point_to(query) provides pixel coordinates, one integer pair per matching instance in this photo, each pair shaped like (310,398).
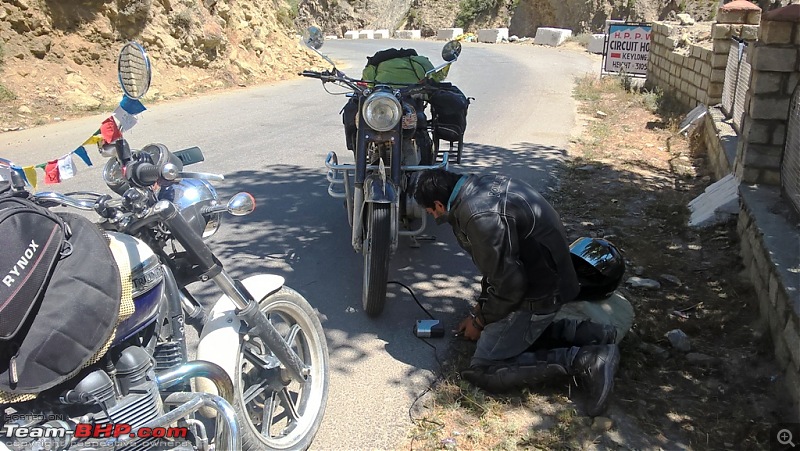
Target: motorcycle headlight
(382,111)
(190,196)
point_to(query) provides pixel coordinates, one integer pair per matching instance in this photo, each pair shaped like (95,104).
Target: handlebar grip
(145,174)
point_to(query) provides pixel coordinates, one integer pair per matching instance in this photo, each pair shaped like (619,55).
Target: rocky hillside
(522,17)
(58,57)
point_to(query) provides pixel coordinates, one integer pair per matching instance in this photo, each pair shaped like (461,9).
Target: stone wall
(770,250)
(767,226)
(695,73)
(682,72)
(720,140)
(774,77)
(771,254)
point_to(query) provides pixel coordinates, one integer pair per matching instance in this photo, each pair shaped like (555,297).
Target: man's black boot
(597,365)
(500,379)
(589,333)
(572,332)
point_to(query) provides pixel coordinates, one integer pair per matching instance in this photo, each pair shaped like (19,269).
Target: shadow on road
(302,234)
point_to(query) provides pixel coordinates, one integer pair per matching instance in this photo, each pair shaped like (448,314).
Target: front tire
(274,411)
(376,259)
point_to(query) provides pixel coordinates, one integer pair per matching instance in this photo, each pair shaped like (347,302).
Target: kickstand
(416,239)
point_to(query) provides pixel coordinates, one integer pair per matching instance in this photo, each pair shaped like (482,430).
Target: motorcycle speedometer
(190,196)
(382,111)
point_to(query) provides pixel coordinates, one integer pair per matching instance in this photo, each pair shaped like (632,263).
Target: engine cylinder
(132,367)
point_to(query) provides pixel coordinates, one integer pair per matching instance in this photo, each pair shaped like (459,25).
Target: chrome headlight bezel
(190,196)
(382,111)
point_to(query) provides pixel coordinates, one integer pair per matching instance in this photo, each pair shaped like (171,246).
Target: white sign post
(627,49)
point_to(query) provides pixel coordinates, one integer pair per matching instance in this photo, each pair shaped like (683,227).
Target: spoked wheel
(274,411)
(376,258)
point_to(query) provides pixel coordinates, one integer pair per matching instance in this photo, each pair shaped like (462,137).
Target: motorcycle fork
(247,308)
(360,199)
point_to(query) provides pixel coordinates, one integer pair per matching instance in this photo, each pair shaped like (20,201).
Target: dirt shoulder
(629,179)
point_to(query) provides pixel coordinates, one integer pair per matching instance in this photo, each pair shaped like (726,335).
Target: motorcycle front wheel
(274,411)
(376,258)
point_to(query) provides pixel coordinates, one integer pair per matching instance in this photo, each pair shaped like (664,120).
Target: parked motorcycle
(389,146)
(262,359)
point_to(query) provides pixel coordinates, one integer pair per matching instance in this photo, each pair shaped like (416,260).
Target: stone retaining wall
(772,265)
(683,72)
(770,250)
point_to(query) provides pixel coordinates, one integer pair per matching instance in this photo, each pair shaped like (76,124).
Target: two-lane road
(272,140)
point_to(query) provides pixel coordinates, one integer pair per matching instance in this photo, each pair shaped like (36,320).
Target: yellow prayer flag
(30,173)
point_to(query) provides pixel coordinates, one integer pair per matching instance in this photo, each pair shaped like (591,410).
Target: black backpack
(449,107)
(59,294)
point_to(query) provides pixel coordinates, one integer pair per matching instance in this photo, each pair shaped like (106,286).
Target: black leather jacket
(517,241)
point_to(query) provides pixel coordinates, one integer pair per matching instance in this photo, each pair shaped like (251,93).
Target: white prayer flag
(66,167)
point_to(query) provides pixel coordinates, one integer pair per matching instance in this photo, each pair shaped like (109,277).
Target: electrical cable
(437,374)
(413,296)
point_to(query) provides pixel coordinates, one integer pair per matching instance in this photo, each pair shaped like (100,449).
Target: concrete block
(725,16)
(793,343)
(408,34)
(762,156)
(366,34)
(749,32)
(447,34)
(720,31)
(766,82)
(351,34)
(769,108)
(493,35)
(718,203)
(719,60)
(757,131)
(597,43)
(775,32)
(551,36)
(753,18)
(382,34)
(773,59)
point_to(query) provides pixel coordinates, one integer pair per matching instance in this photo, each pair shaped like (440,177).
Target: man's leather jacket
(517,241)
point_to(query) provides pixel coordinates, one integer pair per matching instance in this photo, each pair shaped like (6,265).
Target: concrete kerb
(448,34)
(408,34)
(551,36)
(493,35)
(597,43)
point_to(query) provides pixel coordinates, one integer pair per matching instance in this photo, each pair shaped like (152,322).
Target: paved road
(271,141)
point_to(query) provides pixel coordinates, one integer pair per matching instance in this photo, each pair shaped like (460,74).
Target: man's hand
(471,328)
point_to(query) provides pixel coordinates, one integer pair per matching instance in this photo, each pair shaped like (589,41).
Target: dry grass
(629,179)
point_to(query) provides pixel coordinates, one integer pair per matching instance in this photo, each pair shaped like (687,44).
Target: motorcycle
(262,360)
(388,150)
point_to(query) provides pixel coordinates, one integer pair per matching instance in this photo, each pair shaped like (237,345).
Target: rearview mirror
(134,71)
(451,51)
(241,204)
(313,38)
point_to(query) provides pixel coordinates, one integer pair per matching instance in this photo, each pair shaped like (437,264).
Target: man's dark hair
(433,185)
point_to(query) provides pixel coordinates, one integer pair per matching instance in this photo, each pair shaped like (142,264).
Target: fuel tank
(147,278)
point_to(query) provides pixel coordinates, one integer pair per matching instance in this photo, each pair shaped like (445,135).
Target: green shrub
(470,9)
(6,95)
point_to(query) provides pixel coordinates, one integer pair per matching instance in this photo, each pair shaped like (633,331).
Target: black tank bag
(59,294)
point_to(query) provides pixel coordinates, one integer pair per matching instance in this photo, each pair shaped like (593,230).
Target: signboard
(627,48)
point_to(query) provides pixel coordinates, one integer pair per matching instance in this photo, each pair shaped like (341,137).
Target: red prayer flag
(51,174)
(109,130)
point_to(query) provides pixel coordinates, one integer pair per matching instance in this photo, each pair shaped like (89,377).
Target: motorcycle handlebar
(143,173)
